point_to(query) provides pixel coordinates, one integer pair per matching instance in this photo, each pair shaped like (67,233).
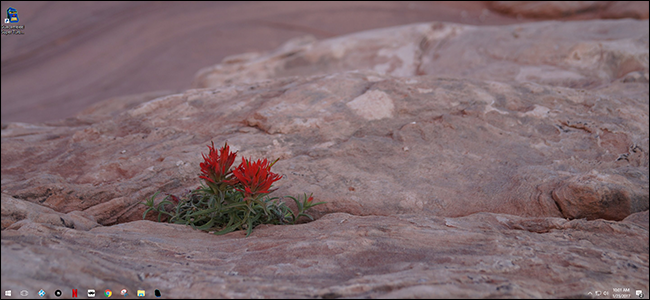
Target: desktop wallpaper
(200,150)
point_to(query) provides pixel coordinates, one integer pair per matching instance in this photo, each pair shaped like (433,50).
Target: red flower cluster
(252,178)
(216,168)
(256,178)
(231,198)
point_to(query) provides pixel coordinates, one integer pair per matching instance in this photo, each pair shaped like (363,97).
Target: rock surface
(49,73)
(111,49)
(561,9)
(456,161)
(484,255)
(577,55)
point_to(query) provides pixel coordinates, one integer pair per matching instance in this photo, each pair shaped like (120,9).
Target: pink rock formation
(483,255)
(111,49)
(563,9)
(577,55)
(456,161)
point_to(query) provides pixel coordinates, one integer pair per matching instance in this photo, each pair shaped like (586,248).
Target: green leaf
(250,224)
(297,202)
(146,212)
(229,228)
(164,202)
(249,228)
(273,163)
(235,205)
(153,197)
(308,206)
(306,215)
(212,201)
(202,212)
(206,225)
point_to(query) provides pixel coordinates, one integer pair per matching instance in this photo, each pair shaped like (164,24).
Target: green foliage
(230,200)
(228,211)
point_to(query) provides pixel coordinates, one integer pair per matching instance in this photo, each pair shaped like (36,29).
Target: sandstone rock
(627,9)
(547,9)
(340,255)
(563,9)
(570,54)
(430,145)
(469,181)
(17,213)
(49,74)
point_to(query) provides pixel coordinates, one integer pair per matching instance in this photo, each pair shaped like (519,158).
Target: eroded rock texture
(561,9)
(483,255)
(456,161)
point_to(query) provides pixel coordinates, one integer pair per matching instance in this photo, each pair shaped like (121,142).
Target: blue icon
(12,15)
(41,293)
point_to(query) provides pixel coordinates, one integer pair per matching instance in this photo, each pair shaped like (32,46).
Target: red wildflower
(256,178)
(216,166)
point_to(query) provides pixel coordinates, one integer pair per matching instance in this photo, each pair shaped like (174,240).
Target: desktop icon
(124,293)
(57,293)
(74,293)
(639,293)
(108,293)
(140,293)
(24,293)
(91,293)
(12,15)
(8,293)
(41,293)
(157,293)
